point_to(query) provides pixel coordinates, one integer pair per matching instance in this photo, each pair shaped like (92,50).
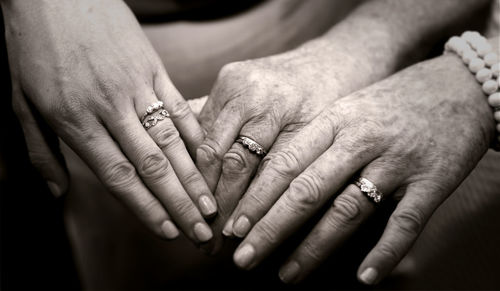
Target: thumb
(43,146)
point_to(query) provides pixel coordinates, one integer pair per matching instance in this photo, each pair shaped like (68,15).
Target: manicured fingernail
(207,206)
(242,226)
(202,232)
(169,229)
(244,256)
(228,228)
(54,189)
(369,276)
(289,272)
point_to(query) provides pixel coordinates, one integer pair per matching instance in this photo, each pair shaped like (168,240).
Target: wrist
(453,74)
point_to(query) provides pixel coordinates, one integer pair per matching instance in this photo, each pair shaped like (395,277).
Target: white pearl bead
(469,56)
(483,75)
(475,65)
(490,87)
(495,69)
(462,48)
(490,59)
(476,42)
(453,43)
(494,100)
(470,35)
(497,115)
(483,49)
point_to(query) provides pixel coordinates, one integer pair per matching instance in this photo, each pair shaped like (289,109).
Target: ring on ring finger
(154,113)
(252,145)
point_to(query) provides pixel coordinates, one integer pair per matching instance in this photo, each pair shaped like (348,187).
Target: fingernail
(368,276)
(169,229)
(242,226)
(289,272)
(207,206)
(54,189)
(202,232)
(228,228)
(244,256)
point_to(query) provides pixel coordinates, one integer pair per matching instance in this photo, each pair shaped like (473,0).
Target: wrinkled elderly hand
(87,68)
(269,100)
(415,135)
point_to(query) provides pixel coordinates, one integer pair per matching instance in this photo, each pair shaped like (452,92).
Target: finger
(239,164)
(349,210)
(218,141)
(157,172)
(305,195)
(42,156)
(180,112)
(119,176)
(277,170)
(403,228)
(167,139)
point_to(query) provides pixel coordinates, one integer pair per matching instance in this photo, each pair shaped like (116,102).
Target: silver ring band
(369,189)
(154,113)
(251,145)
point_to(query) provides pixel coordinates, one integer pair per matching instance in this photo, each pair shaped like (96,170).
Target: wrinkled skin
(89,71)
(269,100)
(415,135)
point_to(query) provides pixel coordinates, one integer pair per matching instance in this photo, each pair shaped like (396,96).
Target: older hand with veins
(270,99)
(415,135)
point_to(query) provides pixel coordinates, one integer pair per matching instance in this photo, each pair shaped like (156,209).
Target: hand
(87,68)
(268,100)
(415,135)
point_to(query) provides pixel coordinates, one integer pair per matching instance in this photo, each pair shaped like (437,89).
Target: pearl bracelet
(476,52)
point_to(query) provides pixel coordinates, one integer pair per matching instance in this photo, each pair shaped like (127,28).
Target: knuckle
(119,175)
(267,231)
(253,202)
(311,251)
(39,159)
(283,163)
(180,109)
(347,210)
(153,166)
(234,163)
(304,191)
(167,137)
(183,206)
(149,208)
(209,152)
(388,251)
(192,178)
(409,220)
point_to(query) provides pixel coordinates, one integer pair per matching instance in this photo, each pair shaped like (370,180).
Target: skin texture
(270,99)
(90,86)
(416,135)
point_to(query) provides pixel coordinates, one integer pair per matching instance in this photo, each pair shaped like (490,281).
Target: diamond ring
(369,189)
(154,113)
(251,145)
